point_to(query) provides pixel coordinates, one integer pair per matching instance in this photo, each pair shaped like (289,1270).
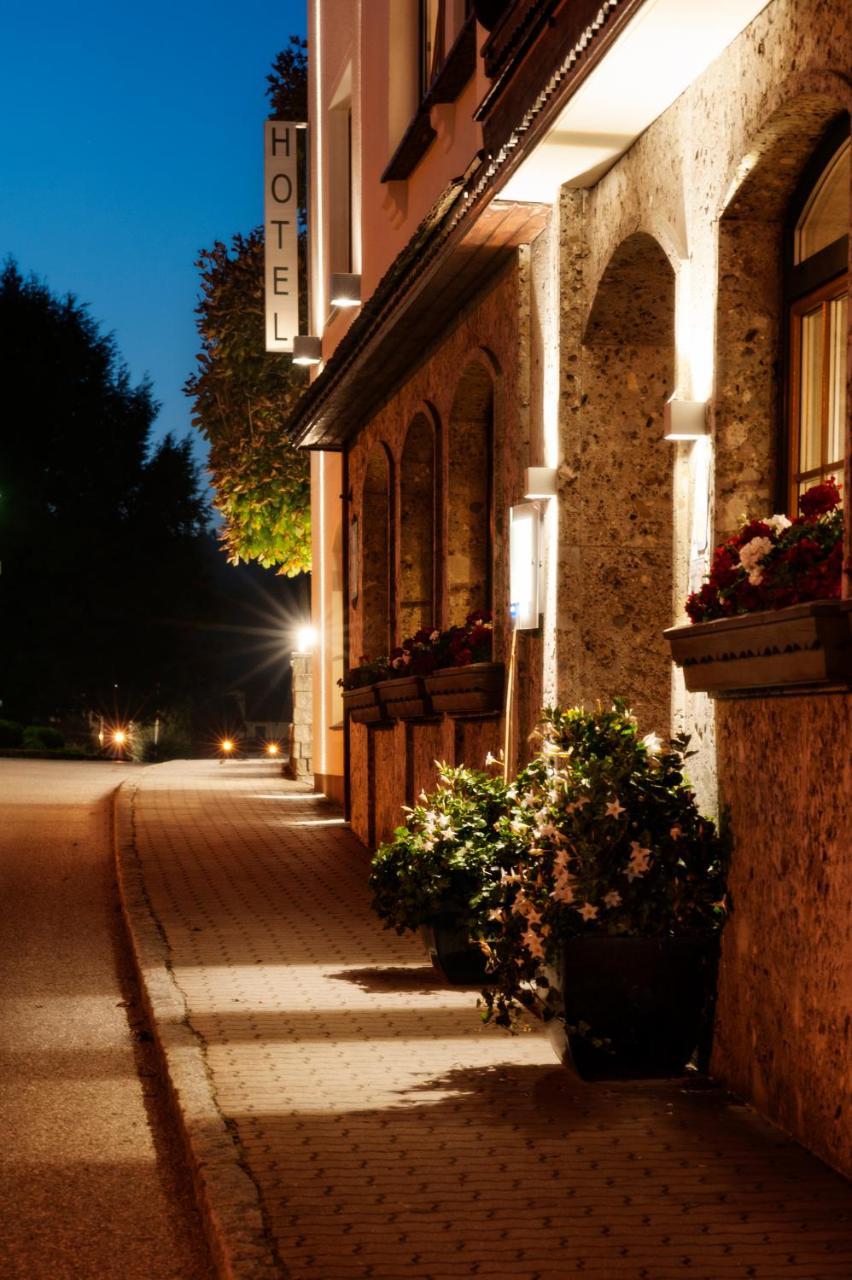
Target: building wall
(389,767)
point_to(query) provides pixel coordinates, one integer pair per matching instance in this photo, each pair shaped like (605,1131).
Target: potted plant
(770,614)
(437,873)
(360,696)
(403,694)
(465,681)
(608,922)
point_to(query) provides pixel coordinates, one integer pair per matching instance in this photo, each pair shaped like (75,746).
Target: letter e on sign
(281,234)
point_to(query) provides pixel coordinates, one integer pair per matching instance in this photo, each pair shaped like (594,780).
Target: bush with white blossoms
(449,855)
(610,841)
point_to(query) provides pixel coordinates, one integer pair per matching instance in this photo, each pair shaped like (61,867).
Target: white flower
(435,635)
(517,826)
(588,912)
(639,861)
(612,899)
(444,822)
(495,913)
(652,743)
(492,759)
(754,552)
(534,944)
(614,808)
(778,523)
(563,890)
(549,832)
(676,832)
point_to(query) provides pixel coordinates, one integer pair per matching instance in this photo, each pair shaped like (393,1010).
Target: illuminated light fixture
(524,535)
(540,482)
(306,639)
(685,419)
(272,748)
(226,746)
(345,289)
(119,737)
(307,350)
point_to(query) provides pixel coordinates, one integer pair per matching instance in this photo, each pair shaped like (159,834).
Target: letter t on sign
(281,240)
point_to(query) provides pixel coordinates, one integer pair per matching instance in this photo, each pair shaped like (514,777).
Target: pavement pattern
(93,1183)
(353,1120)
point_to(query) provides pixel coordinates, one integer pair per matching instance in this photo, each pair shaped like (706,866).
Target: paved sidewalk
(349,1116)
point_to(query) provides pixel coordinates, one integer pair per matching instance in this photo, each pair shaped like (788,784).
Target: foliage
(42,737)
(11,733)
(609,841)
(174,741)
(242,394)
(99,530)
(369,671)
(427,651)
(777,562)
(447,857)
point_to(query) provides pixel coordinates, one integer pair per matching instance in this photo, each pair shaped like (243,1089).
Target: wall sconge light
(540,482)
(684,419)
(306,640)
(345,289)
(524,538)
(307,350)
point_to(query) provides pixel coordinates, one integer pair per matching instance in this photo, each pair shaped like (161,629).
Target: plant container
(793,649)
(630,1008)
(362,705)
(404,699)
(476,689)
(453,955)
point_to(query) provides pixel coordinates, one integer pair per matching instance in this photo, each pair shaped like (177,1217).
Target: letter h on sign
(281,238)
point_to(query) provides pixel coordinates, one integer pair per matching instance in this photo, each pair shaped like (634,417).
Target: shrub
(610,841)
(11,733)
(447,857)
(43,737)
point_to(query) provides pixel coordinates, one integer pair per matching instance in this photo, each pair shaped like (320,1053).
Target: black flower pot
(454,956)
(631,1008)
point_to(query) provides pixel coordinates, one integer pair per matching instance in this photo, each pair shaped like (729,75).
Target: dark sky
(130,137)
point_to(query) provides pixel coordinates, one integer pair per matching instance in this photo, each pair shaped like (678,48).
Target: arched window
(417,528)
(374,596)
(818,301)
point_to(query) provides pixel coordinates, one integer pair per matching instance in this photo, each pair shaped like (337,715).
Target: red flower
(819,499)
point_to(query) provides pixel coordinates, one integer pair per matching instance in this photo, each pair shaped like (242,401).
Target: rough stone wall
(301,764)
(784,1020)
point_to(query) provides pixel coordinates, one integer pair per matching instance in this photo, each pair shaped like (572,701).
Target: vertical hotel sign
(281,234)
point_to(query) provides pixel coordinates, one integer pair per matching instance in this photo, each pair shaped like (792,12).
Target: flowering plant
(447,857)
(777,562)
(369,671)
(608,840)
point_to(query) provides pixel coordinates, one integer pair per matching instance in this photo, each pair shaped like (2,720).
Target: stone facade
(301,763)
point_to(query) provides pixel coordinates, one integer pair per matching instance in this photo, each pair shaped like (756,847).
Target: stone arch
(625,483)
(376,553)
(417,551)
(469,537)
(749,402)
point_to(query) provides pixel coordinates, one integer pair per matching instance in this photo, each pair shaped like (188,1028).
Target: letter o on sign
(282,178)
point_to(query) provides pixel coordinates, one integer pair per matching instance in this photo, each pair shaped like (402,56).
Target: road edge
(227,1197)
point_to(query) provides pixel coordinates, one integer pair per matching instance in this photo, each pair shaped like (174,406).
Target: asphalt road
(92,1178)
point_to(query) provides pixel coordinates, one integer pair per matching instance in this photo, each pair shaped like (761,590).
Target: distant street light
(306,639)
(272,748)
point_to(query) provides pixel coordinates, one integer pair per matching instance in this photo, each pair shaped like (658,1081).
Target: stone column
(301,738)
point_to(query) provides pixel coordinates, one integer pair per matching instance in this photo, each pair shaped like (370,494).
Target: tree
(99,532)
(243,395)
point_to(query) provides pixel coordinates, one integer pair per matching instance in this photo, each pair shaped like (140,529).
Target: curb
(227,1196)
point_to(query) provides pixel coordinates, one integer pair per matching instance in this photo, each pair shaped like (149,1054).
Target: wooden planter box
(473,690)
(362,705)
(804,646)
(404,699)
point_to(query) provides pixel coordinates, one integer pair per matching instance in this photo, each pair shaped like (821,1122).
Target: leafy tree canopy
(99,532)
(243,395)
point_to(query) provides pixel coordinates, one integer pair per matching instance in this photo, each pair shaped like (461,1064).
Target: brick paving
(385,1132)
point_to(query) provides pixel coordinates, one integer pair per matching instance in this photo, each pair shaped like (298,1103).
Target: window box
(404,699)
(362,705)
(476,689)
(806,646)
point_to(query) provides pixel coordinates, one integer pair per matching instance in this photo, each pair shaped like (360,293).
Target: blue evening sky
(130,137)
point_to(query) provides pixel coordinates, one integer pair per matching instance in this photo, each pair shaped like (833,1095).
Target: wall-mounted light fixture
(345,289)
(540,482)
(307,350)
(524,552)
(684,419)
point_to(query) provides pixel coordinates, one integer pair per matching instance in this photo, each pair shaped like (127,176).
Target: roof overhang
(569,97)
